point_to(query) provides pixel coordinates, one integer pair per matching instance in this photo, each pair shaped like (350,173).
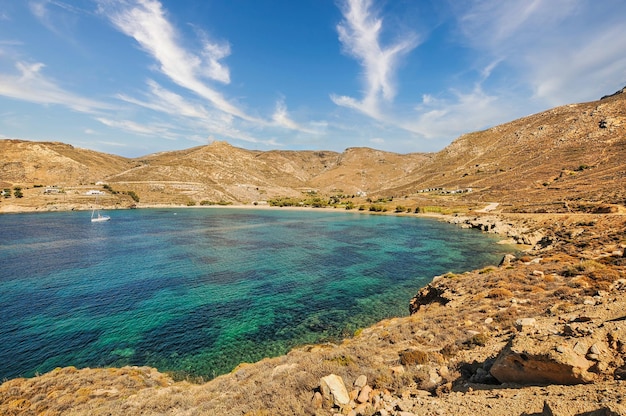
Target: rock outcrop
(523,361)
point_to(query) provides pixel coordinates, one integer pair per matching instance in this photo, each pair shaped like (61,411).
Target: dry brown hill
(567,158)
(26,163)
(567,155)
(216,173)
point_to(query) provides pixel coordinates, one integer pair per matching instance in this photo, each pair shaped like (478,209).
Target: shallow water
(198,291)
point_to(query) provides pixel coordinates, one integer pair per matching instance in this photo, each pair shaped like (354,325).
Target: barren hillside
(570,158)
(575,153)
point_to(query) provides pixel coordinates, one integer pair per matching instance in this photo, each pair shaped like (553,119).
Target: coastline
(560,242)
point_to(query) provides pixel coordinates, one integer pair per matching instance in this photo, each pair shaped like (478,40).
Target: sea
(196,291)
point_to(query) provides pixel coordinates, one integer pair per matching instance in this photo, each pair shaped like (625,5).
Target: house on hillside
(94,192)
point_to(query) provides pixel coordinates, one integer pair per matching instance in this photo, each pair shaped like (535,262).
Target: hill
(559,159)
(569,158)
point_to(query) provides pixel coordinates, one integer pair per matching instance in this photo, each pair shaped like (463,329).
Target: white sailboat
(96,215)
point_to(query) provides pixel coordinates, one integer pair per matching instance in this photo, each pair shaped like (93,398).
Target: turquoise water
(198,291)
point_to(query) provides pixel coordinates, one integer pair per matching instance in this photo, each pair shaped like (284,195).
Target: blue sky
(133,77)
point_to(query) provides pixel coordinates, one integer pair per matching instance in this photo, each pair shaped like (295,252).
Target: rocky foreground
(542,333)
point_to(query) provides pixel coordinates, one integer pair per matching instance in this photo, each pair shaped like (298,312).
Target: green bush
(133,195)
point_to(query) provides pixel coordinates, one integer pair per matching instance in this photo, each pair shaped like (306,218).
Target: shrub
(500,293)
(478,340)
(412,357)
(133,195)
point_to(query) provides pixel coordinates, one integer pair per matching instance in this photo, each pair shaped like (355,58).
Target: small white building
(94,192)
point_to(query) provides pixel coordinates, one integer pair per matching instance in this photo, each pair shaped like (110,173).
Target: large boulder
(334,390)
(525,360)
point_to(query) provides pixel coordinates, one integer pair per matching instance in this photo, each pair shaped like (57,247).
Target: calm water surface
(198,291)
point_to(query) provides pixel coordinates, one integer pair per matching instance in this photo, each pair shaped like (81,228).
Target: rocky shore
(541,333)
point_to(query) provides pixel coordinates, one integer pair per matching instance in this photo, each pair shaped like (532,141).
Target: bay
(195,292)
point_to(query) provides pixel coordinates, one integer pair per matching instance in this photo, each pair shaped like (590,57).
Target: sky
(135,77)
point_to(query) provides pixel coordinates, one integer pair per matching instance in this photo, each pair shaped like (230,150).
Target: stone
(595,349)
(506,260)
(525,360)
(488,321)
(363,408)
(397,369)
(317,400)
(353,394)
(334,390)
(522,323)
(434,377)
(580,348)
(364,395)
(360,381)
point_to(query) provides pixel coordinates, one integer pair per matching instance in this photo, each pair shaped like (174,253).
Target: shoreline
(449,311)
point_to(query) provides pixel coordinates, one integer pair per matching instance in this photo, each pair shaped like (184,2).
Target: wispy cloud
(281,118)
(146,22)
(460,112)
(31,85)
(192,117)
(551,44)
(360,35)
(165,101)
(56,16)
(156,130)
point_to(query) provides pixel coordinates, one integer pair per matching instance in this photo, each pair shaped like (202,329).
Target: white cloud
(360,33)
(563,51)
(56,16)
(282,119)
(281,116)
(31,85)
(160,99)
(191,116)
(134,127)
(146,22)
(462,112)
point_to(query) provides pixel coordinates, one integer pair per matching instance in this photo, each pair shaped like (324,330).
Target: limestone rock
(524,360)
(334,390)
(525,323)
(317,400)
(506,260)
(360,381)
(364,395)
